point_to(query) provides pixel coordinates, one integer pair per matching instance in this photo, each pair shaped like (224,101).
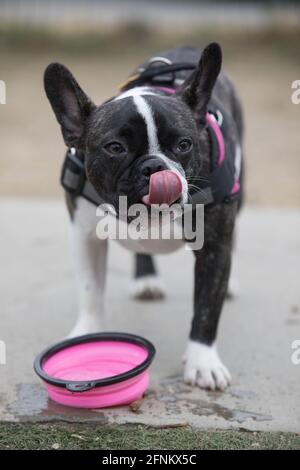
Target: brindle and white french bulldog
(123,142)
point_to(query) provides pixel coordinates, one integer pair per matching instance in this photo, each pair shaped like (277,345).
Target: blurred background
(102,41)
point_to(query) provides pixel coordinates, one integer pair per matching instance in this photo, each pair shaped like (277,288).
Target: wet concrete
(38,307)
(160,407)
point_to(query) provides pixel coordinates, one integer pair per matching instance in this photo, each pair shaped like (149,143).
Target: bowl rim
(84,385)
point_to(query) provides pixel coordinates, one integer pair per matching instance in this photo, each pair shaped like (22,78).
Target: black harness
(222,178)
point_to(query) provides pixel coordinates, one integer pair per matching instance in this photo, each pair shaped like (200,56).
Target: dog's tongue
(164,188)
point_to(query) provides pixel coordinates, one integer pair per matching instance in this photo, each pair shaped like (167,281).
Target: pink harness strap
(236,187)
(219,136)
(220,139)
(172,91)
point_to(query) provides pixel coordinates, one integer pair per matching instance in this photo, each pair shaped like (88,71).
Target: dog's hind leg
(146,285)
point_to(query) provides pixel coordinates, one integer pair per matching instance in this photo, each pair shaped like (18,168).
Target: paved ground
(257,328)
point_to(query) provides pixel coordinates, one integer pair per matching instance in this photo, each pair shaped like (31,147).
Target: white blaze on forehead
(144,109)
(146,112)
(138,91)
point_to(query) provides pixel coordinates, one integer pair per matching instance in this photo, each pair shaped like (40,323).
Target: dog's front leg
(203,366)
(90,256)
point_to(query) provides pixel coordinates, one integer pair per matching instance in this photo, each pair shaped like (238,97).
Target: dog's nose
(152,165)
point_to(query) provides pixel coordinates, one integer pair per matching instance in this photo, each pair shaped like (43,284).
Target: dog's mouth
(165,187)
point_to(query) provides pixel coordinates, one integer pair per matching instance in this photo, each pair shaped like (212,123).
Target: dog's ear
(197,89)
(69,102)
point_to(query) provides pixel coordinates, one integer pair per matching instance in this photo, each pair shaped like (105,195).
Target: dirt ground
(262,66)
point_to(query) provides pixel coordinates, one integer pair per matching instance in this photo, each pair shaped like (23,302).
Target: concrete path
(257,329)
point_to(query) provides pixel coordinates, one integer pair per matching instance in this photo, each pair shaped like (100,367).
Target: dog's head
(130,139)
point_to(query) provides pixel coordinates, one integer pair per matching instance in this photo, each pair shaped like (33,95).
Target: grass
(90,436)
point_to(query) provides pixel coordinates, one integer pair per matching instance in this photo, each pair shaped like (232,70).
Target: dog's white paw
(86,325)
(204,368)
(147,288)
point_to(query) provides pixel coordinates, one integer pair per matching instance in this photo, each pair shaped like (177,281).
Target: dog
(176,127)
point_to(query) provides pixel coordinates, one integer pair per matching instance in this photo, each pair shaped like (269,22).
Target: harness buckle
(72,181)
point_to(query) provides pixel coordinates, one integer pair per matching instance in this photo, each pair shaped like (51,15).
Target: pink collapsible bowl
(96,370)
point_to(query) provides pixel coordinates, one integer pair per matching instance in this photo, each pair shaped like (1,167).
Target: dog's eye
(115,148)
(184,145)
